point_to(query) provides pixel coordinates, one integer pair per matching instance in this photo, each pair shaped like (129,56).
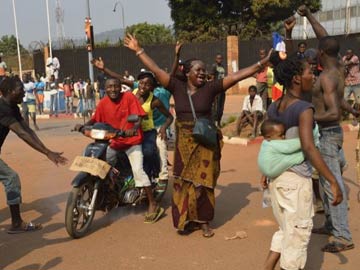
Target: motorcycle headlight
(98,134)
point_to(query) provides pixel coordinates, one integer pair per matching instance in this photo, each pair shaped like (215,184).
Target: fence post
(232,47)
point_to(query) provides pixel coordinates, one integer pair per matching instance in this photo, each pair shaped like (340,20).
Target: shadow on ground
(232,199)
(14,247)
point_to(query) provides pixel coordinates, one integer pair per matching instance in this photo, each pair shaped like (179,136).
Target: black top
(290,117)
(101,79)
(9,114)
(202,98)
(218,70)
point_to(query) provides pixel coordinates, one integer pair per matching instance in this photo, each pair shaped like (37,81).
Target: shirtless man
(328,100)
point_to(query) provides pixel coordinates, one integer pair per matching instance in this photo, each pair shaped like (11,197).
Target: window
(337,15)
(343,13)
(322,16)
(329,15)
(353,11)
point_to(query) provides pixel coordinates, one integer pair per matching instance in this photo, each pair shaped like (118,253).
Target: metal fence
(249,50)
(119,59)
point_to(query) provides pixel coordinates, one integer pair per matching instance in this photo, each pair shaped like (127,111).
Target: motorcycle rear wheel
(77,218)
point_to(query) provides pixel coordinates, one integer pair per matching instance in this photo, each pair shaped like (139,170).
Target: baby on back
(278,151)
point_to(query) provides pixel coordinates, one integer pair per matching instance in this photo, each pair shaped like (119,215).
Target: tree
(213,19)
(149,34)
(8,45)
(103,44)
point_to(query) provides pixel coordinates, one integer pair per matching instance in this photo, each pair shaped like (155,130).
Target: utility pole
(48,25)
(90,54)
(17,39)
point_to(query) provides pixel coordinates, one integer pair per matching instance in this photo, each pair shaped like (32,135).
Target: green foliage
(149,34)
(103,44)
(8,45)
(213,19)
(231,119)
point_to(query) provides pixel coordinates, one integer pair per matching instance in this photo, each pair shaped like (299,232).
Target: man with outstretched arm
(12,90)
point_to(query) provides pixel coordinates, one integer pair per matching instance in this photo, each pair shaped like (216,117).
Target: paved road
(120,239)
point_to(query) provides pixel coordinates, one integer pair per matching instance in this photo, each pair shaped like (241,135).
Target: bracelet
(140,52)
(259,64)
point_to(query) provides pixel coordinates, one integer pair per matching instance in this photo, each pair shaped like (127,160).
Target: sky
(32,20)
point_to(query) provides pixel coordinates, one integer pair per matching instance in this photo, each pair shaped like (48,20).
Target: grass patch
(229,120)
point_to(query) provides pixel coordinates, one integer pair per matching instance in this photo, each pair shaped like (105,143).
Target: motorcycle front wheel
(78,218)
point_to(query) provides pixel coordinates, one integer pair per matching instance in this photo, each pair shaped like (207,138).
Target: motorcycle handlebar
(119,132)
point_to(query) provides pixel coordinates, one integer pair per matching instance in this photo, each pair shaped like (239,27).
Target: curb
(59,116)
(257,140)
(242,141)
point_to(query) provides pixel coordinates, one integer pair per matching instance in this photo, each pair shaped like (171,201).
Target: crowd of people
(300,98)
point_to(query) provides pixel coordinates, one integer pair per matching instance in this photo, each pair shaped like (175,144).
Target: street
(121,240)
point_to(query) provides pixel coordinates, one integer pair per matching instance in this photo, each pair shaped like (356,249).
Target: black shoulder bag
(204,132)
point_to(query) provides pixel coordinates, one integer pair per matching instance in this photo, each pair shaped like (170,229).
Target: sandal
(336,246)
(151,218)
(207,231)
(25,227)
(321,230)
(190,227)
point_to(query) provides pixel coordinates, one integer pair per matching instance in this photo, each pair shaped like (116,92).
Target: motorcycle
(98,185)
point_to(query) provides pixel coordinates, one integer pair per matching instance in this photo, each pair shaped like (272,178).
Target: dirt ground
(120,239)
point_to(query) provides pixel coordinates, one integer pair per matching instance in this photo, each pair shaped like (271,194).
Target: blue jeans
(11,181)
(151,156)
(336,222)
(54,104)
(352,89)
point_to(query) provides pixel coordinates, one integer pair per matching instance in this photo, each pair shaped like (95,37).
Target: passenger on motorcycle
(159,121)
(114,110)
(149,103)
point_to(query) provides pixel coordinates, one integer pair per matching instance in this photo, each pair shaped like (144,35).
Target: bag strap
(191,105)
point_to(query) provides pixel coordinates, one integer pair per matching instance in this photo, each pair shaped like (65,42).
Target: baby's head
(273,130)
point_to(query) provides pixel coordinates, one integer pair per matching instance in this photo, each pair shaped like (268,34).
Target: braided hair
(285,70)
(188,64)
(150,75)
(8,84)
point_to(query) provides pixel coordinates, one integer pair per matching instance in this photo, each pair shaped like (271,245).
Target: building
(339,17)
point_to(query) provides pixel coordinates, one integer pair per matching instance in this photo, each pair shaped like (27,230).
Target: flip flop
(25,227)
(335,246)
(190,227)
(151,218)
(207,231)
(321,230)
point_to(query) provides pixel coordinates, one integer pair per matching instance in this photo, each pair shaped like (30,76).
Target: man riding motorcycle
(114,110)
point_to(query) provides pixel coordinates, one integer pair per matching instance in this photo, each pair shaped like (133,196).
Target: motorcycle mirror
(133,118)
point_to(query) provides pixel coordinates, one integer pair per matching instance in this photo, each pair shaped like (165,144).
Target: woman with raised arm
(196,167)
(291,192)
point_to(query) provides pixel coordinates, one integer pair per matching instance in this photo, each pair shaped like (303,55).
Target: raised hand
(289,23)
(178,47)
(303,10)
(98,63)
(132,43)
